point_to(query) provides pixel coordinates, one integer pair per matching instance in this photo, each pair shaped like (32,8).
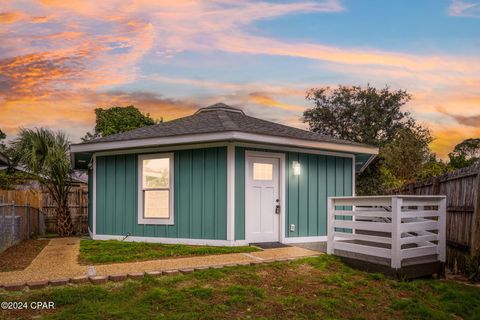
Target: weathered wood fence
(462,188)
(77,203)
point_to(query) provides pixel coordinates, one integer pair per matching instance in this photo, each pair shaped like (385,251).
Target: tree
(407,152)
(44,153)
(433,167)
(364,115)
(117,119)
(3,136)
(465,153)
(372,116)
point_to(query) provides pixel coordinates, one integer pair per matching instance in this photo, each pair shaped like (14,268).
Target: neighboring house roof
(5,163)
(220,122)
(4,160)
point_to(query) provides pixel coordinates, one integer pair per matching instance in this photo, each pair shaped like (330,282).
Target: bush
(473,269)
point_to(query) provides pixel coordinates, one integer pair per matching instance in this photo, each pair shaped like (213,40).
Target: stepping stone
(58,282)
(98,279)
(155,273)
(231,265)
(186,270)
(37,284)
(170,272)
(281,259)
(243,263)
(117,277)
(91,272)
(218,266)
(200,268)
(14,286)
(254,263)
(81,279)
(136,275)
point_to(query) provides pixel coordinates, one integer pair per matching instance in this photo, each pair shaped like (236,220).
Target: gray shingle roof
(219,118)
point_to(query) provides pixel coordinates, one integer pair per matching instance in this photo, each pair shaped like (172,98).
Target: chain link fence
(19,222)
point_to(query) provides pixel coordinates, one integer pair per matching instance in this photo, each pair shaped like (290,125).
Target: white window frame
(140,198)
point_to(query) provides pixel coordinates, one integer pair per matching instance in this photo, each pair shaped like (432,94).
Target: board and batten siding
(200,196)
(321,177)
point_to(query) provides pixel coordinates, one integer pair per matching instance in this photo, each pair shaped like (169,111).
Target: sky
(59,60)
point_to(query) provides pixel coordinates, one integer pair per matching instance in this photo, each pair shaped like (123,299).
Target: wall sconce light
(296,168)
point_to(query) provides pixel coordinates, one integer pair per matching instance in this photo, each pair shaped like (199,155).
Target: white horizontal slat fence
(389,227)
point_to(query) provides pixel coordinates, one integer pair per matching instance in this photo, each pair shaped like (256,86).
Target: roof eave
(222,136)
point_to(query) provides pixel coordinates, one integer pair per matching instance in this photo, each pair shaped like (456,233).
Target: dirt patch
(19,256)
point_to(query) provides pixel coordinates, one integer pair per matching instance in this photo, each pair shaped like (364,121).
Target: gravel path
(58,260)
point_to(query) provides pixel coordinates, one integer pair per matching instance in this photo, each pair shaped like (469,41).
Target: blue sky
(60,60)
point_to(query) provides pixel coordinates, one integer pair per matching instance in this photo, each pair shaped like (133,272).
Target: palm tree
(44,153)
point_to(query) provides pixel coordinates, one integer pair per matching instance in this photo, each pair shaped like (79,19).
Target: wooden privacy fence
(462,188)
(77,204)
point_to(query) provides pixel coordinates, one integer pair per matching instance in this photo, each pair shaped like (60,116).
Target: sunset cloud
(472,121)
(265,99)
(61,59)
(460,8)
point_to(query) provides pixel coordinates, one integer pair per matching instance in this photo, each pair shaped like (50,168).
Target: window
(155,197)
(262,171)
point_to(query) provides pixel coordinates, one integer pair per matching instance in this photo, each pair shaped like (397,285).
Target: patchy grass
(19,256)
(312,288)
(97,252)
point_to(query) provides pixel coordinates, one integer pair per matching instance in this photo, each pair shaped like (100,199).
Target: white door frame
(281,182)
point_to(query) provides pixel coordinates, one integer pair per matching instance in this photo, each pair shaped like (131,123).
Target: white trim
(231,135)
(140,212)
(94,193)
(281,182)
(373,156)
(200,242)
(279,148)
(231,192)
(90,233)
(163,149)
(305,239)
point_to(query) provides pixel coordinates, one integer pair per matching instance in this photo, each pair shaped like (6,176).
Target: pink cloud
(460,8)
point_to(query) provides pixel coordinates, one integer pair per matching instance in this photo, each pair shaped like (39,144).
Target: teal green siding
(306,195)
(200,196)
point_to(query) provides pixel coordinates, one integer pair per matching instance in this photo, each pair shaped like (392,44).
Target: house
(4,161)
(217,177)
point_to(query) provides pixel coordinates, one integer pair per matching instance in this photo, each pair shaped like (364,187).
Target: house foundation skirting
(205,242)
(200,242)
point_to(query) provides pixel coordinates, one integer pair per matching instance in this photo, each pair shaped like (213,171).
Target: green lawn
(311,288)
(95,252)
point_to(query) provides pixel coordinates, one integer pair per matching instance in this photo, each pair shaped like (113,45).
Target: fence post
(12,211)
(3,234)
(330,226)
(442,229)
(475,241)
(396,260)
(436,186)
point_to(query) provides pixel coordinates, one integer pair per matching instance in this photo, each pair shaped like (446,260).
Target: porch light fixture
(296,168)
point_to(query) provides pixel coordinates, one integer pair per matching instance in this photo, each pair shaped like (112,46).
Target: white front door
(262,216)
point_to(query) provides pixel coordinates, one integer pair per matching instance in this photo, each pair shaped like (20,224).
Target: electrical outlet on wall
(292,227)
